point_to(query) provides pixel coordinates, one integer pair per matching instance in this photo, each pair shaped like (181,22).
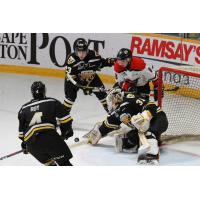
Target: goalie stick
(10,155)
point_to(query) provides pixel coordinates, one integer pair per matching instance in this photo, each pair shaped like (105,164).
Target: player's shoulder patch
(130,96)
(70,60)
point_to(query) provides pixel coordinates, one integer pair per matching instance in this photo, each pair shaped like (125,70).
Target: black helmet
(124,53)
(80,44)
(38,90)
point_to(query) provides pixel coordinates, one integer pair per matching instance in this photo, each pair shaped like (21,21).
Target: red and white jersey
(137,73)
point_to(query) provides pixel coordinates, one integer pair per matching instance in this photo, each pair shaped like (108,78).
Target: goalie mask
(114,99)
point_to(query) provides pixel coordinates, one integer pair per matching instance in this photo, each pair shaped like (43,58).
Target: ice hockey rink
(15,91)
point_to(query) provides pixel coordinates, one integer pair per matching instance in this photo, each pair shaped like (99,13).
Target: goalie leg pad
(151,138)
(119,143)
(151,157)
(123,144)
(95,135)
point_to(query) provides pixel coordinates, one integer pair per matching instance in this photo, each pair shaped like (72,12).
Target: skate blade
(148,163)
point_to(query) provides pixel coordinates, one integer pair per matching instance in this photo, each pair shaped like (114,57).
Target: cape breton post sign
(26,47)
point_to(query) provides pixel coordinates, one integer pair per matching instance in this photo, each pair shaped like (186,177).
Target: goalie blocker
(141,116)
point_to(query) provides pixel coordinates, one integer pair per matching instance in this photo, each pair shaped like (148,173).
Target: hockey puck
(76,139)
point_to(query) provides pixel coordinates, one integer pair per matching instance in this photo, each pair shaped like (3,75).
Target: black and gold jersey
(39,115)
(132,105)
(90,64)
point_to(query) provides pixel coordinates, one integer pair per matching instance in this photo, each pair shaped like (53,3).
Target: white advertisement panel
(50,50)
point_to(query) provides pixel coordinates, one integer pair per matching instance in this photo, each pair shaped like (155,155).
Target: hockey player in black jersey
(82,66)
(37,128)
(138,115)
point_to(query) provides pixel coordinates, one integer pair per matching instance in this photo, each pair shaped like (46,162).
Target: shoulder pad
(118,68)
(137,64)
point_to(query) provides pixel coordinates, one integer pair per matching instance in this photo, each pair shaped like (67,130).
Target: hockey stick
(97,89)
(10,155)
(94,89)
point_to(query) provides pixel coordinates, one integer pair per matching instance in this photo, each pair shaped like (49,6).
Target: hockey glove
(68,133)
(128,85)
(24,147)
(142,121)
(125,118)
(110,61)
(125,86)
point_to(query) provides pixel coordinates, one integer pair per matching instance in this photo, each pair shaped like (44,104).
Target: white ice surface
(15,91)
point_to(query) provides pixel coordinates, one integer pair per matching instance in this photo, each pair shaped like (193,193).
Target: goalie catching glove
(142,121)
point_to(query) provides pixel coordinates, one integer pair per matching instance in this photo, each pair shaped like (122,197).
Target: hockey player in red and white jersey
(132,73)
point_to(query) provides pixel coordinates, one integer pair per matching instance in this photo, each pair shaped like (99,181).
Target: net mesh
(181,102)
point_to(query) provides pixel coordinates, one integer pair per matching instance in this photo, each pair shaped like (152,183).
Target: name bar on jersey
(37,102)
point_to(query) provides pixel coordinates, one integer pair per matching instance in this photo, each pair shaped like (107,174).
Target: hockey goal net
(181,101)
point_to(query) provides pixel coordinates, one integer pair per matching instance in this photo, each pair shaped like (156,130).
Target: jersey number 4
(36,119)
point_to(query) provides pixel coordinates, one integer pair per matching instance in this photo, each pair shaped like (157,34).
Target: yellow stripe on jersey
(37,129)
(110,125)
(50,162)
(65,120)
(150,103)
(21,135)
(67,105)
(159,110)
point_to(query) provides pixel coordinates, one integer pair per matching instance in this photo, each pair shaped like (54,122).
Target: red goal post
(181,100)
